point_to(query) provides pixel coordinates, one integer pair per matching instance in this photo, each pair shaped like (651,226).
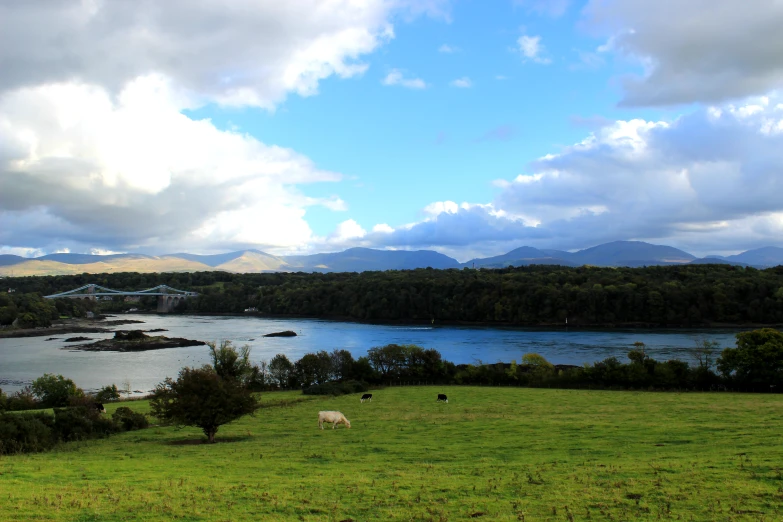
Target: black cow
(442,397)
(97,406)
(367,397)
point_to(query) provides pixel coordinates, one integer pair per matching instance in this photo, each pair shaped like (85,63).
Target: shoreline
(83,325)
(67,326)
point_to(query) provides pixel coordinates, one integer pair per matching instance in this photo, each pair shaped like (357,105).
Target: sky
(463,126)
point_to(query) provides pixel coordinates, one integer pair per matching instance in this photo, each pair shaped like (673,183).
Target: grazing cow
(367,397)
(442,397)
(335,417)
(97,406)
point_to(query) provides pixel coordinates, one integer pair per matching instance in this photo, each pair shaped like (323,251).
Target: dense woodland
(691,295)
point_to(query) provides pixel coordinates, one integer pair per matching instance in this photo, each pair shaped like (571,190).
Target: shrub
(55,390)
(3,400)
(337,388)
(22,400)
(129,420)
(108,394)
(81,423)
(25,433)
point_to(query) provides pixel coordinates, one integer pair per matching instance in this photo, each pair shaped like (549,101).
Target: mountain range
(617,253)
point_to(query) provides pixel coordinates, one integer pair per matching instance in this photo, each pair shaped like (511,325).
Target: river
(24,359)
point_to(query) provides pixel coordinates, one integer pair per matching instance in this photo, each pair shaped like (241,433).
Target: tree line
(213,395)
(689,295)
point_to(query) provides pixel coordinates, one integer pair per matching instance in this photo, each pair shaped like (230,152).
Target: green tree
(757,359)
(55,391)
(281,370)
(202,398)
(8,310)
(228,362)
(108,393)
(538,364)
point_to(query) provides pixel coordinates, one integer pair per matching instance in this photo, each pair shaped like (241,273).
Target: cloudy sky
(463,126)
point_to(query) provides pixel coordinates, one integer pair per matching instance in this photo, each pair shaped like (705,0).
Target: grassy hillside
(140,265)
(490,454)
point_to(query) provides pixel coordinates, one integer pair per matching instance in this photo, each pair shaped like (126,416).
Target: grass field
(490,454)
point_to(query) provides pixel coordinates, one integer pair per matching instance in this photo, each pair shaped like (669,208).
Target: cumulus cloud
(706,51)
(96,153)
(396,77)
(532,49)
(462,83)
(80,167)
(705,180)
(251,53)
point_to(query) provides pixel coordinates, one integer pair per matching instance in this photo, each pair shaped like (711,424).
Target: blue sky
(442,142)
(467,127)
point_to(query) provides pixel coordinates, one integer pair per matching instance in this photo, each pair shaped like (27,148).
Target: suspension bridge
(168,297)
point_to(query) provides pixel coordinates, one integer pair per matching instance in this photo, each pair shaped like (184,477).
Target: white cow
(335,417)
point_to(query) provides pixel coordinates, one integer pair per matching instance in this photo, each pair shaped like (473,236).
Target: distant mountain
(617,253)
(83,259)
(146,264)
(10,259)
(254,261)
(630,253)
(212,260)
(363,259)
(521,256)
(767,256)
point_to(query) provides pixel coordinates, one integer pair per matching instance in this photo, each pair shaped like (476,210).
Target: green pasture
(490,454)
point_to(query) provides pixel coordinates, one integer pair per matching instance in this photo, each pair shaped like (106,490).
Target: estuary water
(25,359)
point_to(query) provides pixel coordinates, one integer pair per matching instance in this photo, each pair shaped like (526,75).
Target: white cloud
(21,251)
(80,170)
(382,228)
(396,77)
(252,53)
(706,51)
(96,153)
(447,49)
(348,229)
(531,49)
(463,83)
(708,179)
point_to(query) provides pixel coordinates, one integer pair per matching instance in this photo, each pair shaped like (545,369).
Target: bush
(129,420)
(55,390)
(81,423)
(25,433)
(337,388)
(3,400)
(22,400)
(108,394)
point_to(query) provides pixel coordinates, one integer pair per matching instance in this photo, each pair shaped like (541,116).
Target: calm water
(24,359)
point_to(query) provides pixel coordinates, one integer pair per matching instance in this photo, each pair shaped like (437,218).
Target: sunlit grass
(490,454)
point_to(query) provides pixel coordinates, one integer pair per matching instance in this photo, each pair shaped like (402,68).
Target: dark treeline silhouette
(689,295)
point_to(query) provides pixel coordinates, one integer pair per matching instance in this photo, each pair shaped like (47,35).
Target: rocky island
(135,341)
(287,333)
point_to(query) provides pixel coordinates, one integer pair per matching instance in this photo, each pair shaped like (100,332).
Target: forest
(538,295)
